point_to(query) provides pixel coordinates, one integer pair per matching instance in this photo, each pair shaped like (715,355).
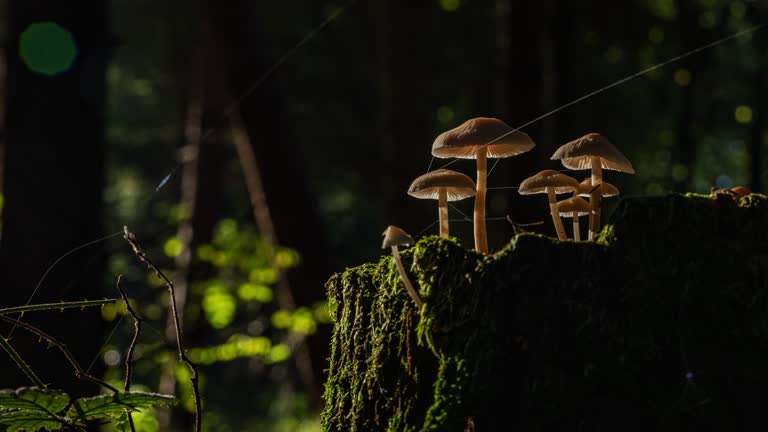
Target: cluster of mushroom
(591,152)
(483,138)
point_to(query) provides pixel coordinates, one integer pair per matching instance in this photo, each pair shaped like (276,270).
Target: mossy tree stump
(661,324)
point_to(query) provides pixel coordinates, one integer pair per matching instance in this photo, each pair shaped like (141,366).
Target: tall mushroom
(574,207)
(394,237)
(550,182)
(594,152)
(443,185)
(481,138)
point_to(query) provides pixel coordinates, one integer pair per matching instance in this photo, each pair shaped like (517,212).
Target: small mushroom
(550,182)
(607,190)
(394,237)
(443,185)
(594,152)
(741,191)
(574,207)
(481,138)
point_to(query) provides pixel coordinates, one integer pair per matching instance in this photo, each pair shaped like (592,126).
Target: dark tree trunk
(403,134)
(758,131)
(53,179)
(279,163)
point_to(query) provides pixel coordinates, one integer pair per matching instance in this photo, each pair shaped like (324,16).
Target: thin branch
(21,363)
(79,372)
(131,239)
(54,306)
(129,355)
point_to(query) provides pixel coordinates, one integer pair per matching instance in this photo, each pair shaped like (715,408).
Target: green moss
(551,335)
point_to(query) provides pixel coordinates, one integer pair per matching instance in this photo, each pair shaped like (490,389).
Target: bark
(53,180)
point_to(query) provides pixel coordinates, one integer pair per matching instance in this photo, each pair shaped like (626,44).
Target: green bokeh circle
(46,48)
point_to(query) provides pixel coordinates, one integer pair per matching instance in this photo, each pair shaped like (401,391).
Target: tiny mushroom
(394,237)
(481,138)
(574,207)
(593,151)
(741,191)
(443,185)
(550,182)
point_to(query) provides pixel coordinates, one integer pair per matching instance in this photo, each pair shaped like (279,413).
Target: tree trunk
(401,127)
(53,180)
(519,345)
(279,162)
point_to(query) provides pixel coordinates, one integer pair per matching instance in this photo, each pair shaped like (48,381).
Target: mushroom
(394,237)
(741,191)
(593,151)
(443,185)
(550,182)
(481,138)
(607,190)
(574,207)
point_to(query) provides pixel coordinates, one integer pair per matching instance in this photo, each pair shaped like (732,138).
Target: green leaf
(115,405)
(31,409)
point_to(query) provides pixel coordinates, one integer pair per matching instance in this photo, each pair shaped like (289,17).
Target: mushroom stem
(443,209)
(481,240)
(595,197)
(576,228)
(555,214)
(404,276)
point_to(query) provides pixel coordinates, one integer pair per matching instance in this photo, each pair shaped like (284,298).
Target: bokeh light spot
(656,35)
(445,115)
(738,9)
(46,48)
(724,181)
(450,5)
(743,114)
(679,172)
(682,77)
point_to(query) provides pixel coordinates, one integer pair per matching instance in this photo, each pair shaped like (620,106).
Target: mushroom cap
(573,205)
(578,154)
(741,191)
(465,140)
(394,236)
(607,189)
(457,185)
(545,179)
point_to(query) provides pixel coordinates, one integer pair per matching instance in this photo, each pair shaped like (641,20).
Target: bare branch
(129,355)
(131,239)
(79,371)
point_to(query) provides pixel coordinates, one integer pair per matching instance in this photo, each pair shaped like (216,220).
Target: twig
(54,306)
(519,227)
(79,372)
(131,239)
(21,363)
(129,355)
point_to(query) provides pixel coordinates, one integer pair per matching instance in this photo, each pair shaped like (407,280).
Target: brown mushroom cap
(464,141)
(578,154)
(741,191)
(608,190)
(394,236)
(572,205)
(458,186)
(548,178)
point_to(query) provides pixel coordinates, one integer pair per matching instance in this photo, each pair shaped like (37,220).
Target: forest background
(255,148)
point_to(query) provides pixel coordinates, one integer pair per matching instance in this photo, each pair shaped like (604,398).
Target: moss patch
(663,323)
